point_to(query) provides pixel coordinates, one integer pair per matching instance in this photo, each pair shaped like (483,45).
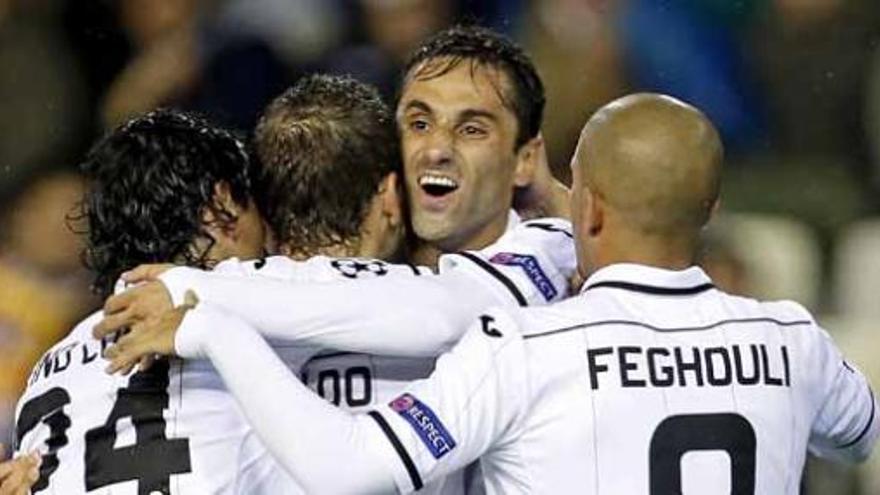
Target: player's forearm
(324,448)
(418,316)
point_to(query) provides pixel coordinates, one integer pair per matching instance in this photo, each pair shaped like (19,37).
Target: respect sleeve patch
(425,423)
(532,269)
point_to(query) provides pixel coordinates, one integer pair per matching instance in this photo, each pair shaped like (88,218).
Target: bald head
(655,161)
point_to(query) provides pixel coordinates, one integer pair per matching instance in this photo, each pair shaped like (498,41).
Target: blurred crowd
(794,86)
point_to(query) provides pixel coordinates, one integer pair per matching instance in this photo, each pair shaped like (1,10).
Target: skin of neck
(613,237)
(427,253)
(338,250)
(660,251)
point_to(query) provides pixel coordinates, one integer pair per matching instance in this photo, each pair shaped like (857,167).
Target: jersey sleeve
(472,403)
(531,264)
(311,439)
(847,425)
(414,316)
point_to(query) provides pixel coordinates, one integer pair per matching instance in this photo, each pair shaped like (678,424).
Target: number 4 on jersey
(150,461)
(153,457)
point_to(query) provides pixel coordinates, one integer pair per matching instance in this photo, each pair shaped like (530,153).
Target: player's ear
(595,214)
(716,207)
(390,194)
(528,158)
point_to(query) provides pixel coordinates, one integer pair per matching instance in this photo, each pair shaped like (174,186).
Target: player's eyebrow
(418,105)
(474,113)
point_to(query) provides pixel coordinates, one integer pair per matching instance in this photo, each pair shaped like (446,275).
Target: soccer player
(650,381)
(165,186)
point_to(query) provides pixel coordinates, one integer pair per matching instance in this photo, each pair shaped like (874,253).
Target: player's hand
(136,305)
(147,338)
(18,475)
(146,273)
(546,195)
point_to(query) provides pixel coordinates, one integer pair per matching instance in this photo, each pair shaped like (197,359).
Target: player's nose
(440,149)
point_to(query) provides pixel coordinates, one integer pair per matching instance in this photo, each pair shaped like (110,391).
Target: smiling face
(460,162)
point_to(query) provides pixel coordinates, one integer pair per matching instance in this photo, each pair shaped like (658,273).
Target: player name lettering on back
(635,366)
(60,359)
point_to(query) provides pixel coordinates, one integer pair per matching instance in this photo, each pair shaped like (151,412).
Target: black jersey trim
(651,289)
(867,427)
(401,451)
(415,269)
(330,355)
(548,227)
(668,329)
(491,270)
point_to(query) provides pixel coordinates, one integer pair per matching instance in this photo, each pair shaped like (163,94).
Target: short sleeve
(846,426)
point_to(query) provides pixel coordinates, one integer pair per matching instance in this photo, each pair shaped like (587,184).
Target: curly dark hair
(483,47)
(322,147)
(150,181)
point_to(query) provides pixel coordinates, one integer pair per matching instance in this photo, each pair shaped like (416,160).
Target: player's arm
(402,315)
(847,425)
(325,449)
(473,403)
(469,402)
(411,316)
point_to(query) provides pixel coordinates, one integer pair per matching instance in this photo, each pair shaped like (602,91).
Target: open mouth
(437,186)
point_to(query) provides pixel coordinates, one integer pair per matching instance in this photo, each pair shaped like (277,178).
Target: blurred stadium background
(794,86)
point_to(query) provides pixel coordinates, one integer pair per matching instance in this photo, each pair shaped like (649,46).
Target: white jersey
(649,382)
(531,264)
(172,429)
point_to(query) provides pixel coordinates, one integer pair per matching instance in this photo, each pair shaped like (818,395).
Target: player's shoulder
(548,227)
(280,267)
(789,316)
(782,312)
(331,268)
(553,236)
(781,309)
(554,318)
(526,322)
(317,268)
(81,332)
(530,264)
(79,336)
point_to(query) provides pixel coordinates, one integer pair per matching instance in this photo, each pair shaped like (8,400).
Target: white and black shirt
(650,381)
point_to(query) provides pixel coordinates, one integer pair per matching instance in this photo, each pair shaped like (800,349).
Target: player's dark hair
(323,148)
(483,47)
(149,183)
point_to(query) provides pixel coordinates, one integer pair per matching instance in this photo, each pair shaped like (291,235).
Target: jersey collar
(513,219)
(650,280)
